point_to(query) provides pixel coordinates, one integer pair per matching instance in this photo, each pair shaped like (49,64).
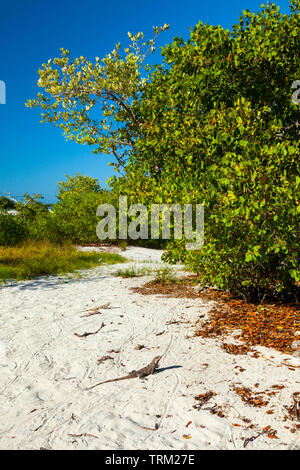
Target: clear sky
(35,156)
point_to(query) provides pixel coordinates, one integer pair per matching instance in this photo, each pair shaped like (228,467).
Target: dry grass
(33,259)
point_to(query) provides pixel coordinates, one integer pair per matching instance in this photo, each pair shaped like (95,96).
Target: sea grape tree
(92,101)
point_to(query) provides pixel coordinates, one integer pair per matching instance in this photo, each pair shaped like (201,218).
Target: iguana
(143,372)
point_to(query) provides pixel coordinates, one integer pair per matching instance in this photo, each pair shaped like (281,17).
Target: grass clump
(164,276)
(133,272)
(32,259)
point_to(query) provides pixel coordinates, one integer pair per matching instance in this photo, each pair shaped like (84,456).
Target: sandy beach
(47,362)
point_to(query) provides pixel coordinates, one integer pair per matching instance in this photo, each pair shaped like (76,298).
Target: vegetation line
(32,259)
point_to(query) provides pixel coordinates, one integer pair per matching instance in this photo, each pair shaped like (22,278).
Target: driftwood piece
(91,312)
(84,434)
(102,359)
(250,439)
(96,311)
(84,335)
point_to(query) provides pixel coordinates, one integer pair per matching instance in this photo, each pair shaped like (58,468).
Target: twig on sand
(94,311)
(84,434)
(297,409)
(156,427)
(160,333)
(202,399)
(84,335)
(102,359)
(105,305)
(250,439)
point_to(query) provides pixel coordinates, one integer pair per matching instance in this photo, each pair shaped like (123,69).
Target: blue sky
(35,156)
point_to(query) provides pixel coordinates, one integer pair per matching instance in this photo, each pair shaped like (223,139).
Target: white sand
(44,373)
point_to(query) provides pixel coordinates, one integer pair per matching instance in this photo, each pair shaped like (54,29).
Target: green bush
(74,215)
(31,207)
(6,203)
(220,128)
(12,229)
(215,123)
(45,227)
(40,224)
(252,243)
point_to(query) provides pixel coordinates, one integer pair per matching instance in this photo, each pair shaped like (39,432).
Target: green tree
(12,230)
(31,207)
(77,91)
(213,124)
(220,128)
(6,203)
(74,214)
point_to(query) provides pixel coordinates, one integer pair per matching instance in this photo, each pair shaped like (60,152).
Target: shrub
(12,229)
(252,243)
(220,128)
(45,227)
(6,203)
(74,215)
(31,207)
